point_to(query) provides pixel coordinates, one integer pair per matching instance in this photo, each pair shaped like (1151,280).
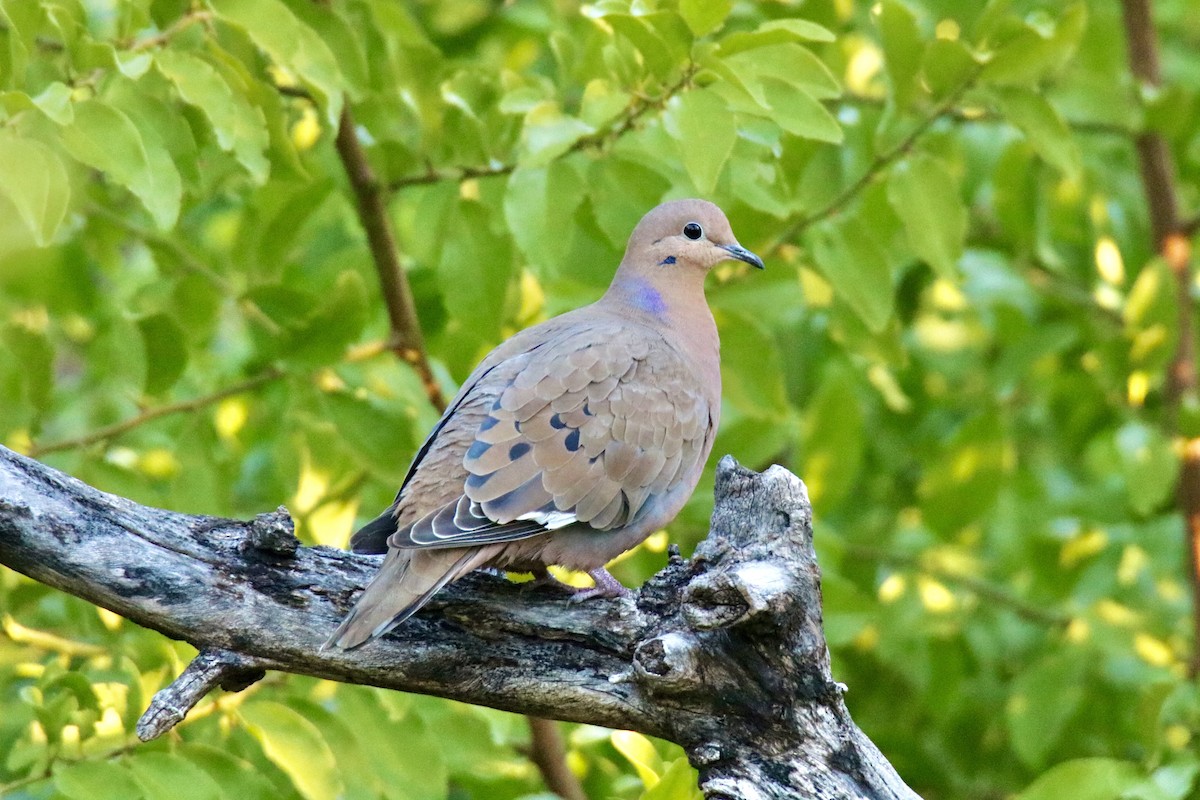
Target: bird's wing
(587,429)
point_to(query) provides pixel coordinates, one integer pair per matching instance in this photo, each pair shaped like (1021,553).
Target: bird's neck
(675,305)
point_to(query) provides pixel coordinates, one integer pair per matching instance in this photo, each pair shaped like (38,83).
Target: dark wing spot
(519,449)
(488,423)
(477,481)
(557,423)
(478,449)
(572,441)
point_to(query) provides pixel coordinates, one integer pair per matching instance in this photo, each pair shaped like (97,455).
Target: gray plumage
(572,441)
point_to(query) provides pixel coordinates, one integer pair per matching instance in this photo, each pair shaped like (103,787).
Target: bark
(723,653)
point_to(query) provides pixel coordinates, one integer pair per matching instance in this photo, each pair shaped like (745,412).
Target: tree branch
(876,167)
(723,654)
(600,139)
(184,406)
(408,341)
(1172,239)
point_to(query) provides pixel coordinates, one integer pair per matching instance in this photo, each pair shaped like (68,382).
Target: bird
(572,441)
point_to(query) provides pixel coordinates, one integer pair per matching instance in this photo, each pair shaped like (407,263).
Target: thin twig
(1172,240)
(549,754)
(159,39)
(964,115)
(118,428)
(407,340)
(600,140)
(995,595)
(875,169)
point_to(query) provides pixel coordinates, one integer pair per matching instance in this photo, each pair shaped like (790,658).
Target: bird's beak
(742,254)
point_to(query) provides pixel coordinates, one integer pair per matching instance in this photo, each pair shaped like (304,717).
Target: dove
(572,441)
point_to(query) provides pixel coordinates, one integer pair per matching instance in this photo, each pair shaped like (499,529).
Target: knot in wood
(667,662)
(272,533)
(733,596)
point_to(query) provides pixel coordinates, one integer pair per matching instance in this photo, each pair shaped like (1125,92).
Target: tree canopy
(248,247)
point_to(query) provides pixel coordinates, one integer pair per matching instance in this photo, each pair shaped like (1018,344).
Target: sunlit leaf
(168,775)
(704,130)
(33,178)
(96,780)
(296,746)
(927,198)
(291,44)
(1044,128)
(238,125)
(105,138)
(1083,779)
(857,267)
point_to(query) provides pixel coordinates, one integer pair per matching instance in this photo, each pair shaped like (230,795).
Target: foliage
(961,342)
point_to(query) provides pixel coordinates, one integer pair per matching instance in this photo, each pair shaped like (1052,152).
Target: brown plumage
(572,441)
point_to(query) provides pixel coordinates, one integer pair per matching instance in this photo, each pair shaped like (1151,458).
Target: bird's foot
(606,586)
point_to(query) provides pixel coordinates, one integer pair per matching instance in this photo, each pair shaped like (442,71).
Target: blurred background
(973,341)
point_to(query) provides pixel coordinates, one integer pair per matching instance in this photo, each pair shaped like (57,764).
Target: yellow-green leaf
(296,746)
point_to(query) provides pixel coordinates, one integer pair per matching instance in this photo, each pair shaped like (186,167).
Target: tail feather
(405,582)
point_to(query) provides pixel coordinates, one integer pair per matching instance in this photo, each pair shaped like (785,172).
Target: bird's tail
(405,582)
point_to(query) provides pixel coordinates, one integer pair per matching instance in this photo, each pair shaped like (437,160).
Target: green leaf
(337,322)
(239,126)
(753,373)
(1043,699)
(629,189)
(55,102)
(662,45)
(962,482)
(1043,127)
(834,439)
(857,267)
(1084,779)
(704,16)
(166,352)
(296,746)
(641,754)
(789,63)
(1032,53)
(105,138)
(34,179)
(799,114)
(381,435)
(927,199)
(174,145)
(678,782)
(775,32)
(237,779)
(538,208)
(947,65)
(474,273)
(704,131)
(168,775)
(548,133)
(290,43)
(1148,463)
(903,50)
(96,780)
(35,354)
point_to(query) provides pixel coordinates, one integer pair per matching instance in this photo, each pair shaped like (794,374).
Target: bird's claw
(606,586)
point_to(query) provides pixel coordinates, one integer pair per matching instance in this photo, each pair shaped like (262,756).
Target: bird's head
(684,236)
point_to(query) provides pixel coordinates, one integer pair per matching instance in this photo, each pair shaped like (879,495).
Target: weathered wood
(723,653)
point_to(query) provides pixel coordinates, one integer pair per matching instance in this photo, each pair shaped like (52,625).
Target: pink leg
(606,586)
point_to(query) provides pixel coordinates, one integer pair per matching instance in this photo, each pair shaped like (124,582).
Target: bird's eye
(693,230)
